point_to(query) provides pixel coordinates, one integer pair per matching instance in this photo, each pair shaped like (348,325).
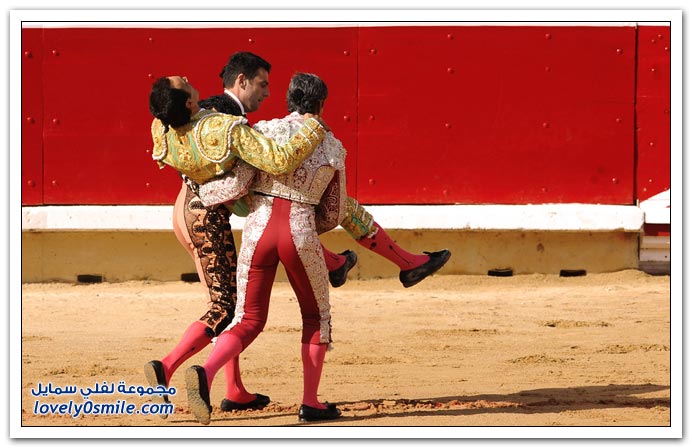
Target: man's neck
(235,98)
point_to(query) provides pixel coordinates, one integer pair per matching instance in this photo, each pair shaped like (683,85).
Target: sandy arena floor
(453,351)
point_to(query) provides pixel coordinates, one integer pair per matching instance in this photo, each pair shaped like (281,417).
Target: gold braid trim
(358,222)
(160,148)
(315,129)
(264,154)
(213,136)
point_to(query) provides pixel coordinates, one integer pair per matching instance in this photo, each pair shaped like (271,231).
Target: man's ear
(241,80)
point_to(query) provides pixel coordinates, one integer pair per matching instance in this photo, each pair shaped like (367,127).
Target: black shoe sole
(440,262)
(153,372)
(196,382)
(351,260)
(310,414)
(258,403)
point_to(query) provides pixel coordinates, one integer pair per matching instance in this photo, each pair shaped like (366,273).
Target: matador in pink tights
(282,227)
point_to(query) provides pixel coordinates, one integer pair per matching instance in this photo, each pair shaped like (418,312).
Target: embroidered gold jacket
(211,143)
(299,185)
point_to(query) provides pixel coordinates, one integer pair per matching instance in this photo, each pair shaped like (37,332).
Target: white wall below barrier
(122,243)
(541,217)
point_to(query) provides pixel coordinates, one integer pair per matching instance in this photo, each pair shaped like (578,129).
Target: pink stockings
(382,245)
(229,346)
(274,241)
(313,360)
(205,233)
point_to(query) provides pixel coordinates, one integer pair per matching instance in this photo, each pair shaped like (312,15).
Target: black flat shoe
(416,275)
(198,394)
(258,403)
(339,276)
(153,372)
(310,414)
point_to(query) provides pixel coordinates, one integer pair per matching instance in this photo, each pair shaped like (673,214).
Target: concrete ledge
(654,249)
(97,217)
(123,243)
(136,255)
(543,217)
(657,208)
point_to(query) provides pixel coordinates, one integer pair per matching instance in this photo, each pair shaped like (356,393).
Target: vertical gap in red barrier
(43,118)
(357,113)
(635,195)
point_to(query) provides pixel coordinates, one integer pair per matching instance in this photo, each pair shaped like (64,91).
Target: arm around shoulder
(264,154)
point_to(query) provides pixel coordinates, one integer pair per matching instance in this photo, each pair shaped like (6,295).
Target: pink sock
(313,360)
(196,337)
(332,260)
(235,390)
(383,245)
(227,347)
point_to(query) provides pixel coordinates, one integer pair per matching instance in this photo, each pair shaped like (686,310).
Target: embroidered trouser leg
(206,232)
(280,230)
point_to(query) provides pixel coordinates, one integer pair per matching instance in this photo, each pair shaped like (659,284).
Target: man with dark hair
(246,80)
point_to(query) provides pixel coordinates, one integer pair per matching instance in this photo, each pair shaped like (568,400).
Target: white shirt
(235,98)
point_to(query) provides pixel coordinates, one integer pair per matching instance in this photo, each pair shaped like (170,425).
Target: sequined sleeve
(264,154)
(358,222)
(229,187)
(157,136)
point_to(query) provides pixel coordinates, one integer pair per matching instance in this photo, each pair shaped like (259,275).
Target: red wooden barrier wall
(429,115)
(653,112)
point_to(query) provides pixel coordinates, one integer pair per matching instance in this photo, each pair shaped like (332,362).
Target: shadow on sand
(553,400)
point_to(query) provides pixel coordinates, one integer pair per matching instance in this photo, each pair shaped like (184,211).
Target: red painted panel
(32,118)
(98,81)
(496,115)
(467,114)
(653,111)
(95,88)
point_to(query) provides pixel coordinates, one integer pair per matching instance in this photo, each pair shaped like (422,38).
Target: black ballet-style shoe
(153,372)
(416,275)
(339,276)
(258,403)
(310,414)
(198,394)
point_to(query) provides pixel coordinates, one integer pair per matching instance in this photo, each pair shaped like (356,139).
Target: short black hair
(221,103)
(169,104)
(305,92)
(242,62)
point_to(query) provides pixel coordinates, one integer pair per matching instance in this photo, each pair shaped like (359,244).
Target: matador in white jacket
(282,227)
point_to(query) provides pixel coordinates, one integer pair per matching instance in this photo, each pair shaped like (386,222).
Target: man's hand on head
(319,119)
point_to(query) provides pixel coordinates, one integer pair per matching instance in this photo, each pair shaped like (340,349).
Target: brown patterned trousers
(210,233)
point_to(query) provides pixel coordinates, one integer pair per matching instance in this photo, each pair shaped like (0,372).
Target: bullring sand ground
(453,351)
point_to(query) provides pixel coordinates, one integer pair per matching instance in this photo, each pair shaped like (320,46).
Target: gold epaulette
(212,136)
(160,148)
